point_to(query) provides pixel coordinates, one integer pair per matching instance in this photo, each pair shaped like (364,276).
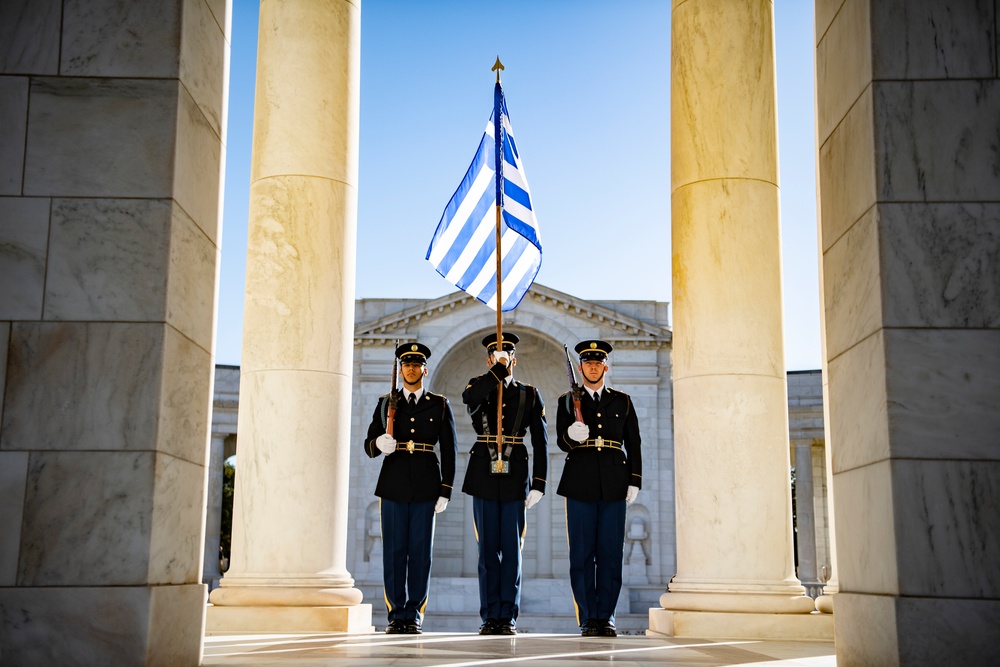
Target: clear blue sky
(588,89)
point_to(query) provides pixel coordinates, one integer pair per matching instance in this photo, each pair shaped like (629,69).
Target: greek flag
(463,249)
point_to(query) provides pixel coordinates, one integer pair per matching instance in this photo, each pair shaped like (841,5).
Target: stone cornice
(628,331)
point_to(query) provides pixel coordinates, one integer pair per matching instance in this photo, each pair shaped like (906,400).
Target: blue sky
(588,89)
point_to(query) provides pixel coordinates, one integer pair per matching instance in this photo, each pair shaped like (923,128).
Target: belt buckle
(409,446)
(599,443)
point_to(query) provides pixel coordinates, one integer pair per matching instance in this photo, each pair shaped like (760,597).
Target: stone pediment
(409,313)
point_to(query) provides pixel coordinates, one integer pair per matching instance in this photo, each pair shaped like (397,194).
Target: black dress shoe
(505,628)
(591,628)
(411,628)
(608,629)
(395,628)
(490,627)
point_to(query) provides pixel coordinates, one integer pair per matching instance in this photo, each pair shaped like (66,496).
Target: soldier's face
(593,371)
(413,373)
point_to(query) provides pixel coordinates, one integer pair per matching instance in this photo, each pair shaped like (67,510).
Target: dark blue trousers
(499,531)
(596,532)
(407,540)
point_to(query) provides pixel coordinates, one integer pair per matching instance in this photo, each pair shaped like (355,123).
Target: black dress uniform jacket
(604,473)
(480,398)
(415,476)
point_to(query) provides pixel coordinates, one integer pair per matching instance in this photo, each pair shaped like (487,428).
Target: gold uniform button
(412,419)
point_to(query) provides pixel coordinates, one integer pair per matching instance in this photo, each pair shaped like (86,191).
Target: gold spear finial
(497,66)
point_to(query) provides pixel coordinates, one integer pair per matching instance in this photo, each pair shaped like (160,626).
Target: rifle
(575,389)
(391,412)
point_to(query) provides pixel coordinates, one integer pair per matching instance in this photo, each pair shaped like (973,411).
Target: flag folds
(463,249)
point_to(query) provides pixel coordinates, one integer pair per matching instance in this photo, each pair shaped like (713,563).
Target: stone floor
(538,650)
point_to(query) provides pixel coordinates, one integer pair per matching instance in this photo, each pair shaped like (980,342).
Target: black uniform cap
(509,340)
(596,350)
(413,353)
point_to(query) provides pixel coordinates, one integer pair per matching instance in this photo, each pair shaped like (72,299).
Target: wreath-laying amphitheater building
(112,142)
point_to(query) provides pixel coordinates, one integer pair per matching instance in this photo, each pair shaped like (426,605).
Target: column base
(824,604)
(760,603)
(732,625)
(354,619)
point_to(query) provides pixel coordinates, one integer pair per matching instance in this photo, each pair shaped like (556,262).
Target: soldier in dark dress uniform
(499,499)
(603,473)
(412,486)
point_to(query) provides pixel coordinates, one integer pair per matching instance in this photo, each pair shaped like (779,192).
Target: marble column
(908,118)
(804,513)
(112,135)
(824,603)
(290,531)
(213,510)
(734,528)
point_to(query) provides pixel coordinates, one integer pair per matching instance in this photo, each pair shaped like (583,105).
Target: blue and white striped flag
(463,249)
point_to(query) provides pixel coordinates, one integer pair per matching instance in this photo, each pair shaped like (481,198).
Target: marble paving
(536,650)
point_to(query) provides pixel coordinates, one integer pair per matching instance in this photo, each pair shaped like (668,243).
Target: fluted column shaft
(291,497)
(734,539)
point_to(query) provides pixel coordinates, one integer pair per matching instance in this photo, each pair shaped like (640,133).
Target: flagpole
(498,153)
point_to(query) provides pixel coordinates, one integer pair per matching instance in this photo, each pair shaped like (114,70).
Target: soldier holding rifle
(498,479)
(603,473)
(407,423)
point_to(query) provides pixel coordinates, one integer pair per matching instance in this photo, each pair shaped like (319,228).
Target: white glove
(386,443)
(501,357)
(578,431)
(533,497)
(441,503)
(630,493)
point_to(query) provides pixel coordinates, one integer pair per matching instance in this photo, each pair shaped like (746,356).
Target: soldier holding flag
(498,479)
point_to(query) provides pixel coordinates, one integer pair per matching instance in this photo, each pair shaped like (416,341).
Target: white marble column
(804,512)
(734,532)
(213,510)
(290,526)
(112,135)
(908,118)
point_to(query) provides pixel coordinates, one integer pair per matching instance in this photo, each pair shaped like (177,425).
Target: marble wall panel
(942,389)
(930,39)
(14,121)
(867,548)
(4,346)
(197,169)
(825,12)
(941,264)
(948,527)
(29,36)
(101,137)
(13,476)
(932,140)
(880,630)
(194,259)
(79,386)
(24,232)
(203,59)
(120,625)
(843,62)
(87,519)
(858,409)
(183,423)
(176,539)
(108,260)
(847,171)
(116,38)
(852,286)
(222,16)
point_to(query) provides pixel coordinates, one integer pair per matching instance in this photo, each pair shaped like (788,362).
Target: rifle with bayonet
(576,391)
(390,416)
